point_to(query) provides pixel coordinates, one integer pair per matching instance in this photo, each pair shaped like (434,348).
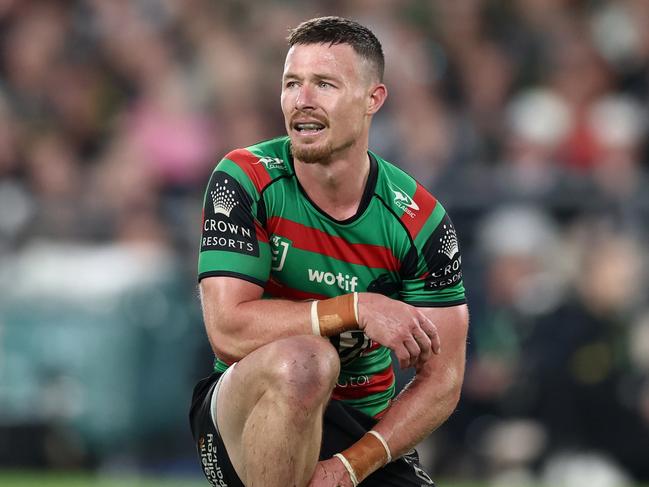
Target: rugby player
(317,259)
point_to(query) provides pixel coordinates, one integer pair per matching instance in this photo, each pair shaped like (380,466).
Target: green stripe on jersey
(233,263)
(320,274)
(448,297)
(374,362)
(431,224)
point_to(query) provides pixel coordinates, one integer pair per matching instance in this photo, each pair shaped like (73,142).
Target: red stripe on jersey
(375,383)
(426,203)
(373,346)
(318,241)
(250,164)
(279,290)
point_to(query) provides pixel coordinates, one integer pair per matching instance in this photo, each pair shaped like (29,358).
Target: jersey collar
(366,198)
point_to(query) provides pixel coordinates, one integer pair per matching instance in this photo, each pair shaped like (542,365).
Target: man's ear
(377,97)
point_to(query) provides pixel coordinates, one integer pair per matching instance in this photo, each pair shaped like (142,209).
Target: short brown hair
(338,30)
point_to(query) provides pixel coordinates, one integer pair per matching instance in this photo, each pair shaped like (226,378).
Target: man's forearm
(422,406)
(433,394)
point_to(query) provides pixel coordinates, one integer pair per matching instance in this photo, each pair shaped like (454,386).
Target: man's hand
(330,473)
(398,326)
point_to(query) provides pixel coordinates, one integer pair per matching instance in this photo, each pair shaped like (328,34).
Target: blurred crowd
(527,118)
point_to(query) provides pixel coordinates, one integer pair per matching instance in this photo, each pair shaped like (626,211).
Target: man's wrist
(365,456)
(335,315)
(349,468)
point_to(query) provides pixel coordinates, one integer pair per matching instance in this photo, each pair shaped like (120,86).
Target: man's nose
(305,98)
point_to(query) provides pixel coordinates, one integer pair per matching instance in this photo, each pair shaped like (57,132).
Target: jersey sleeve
(233,242)
(433,274)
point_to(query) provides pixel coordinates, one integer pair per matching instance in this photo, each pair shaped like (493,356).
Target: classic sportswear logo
(223,199)
(272,162)
(448,242)
(404,201)
(345,282)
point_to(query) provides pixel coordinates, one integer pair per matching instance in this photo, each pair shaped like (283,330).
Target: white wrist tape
(356,307)
(350,469)
(315,322)
(383,442)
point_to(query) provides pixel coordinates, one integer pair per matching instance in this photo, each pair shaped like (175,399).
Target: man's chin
(311,153)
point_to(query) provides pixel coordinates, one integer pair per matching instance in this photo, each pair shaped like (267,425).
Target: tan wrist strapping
(366,456)
(332,316)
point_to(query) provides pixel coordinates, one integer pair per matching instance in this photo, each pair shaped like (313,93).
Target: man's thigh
(212,454)
(344,425)
(285,377)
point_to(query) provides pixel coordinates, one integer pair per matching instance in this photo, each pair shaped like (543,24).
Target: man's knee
(303,369)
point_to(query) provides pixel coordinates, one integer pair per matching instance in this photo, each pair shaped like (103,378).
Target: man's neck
(336,187)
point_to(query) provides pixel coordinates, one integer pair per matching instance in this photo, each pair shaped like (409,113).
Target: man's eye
(291,84)
(324,84)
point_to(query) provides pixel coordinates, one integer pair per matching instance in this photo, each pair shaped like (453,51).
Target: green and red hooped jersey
(259,225)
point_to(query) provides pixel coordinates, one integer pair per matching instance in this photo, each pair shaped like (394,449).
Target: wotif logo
(344,282)
(404,201)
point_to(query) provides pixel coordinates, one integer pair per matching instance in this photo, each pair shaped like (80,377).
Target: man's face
(325,96)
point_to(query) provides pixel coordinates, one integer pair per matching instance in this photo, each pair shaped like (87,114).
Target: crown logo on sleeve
(449,242)
(223,199)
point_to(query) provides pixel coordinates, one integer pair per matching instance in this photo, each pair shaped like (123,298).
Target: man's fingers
(436,343)
(413,349)
(431,331)
(403,356)
(424,344)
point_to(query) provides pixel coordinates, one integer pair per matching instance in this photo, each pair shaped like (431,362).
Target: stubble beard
(318,153)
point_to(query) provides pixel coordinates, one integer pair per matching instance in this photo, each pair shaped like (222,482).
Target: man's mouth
(308,128)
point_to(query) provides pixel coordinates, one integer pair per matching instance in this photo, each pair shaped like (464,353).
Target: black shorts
(343,426)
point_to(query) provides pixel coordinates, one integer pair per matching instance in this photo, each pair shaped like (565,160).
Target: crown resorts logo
(449,242)
(445,271)
(223,199)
